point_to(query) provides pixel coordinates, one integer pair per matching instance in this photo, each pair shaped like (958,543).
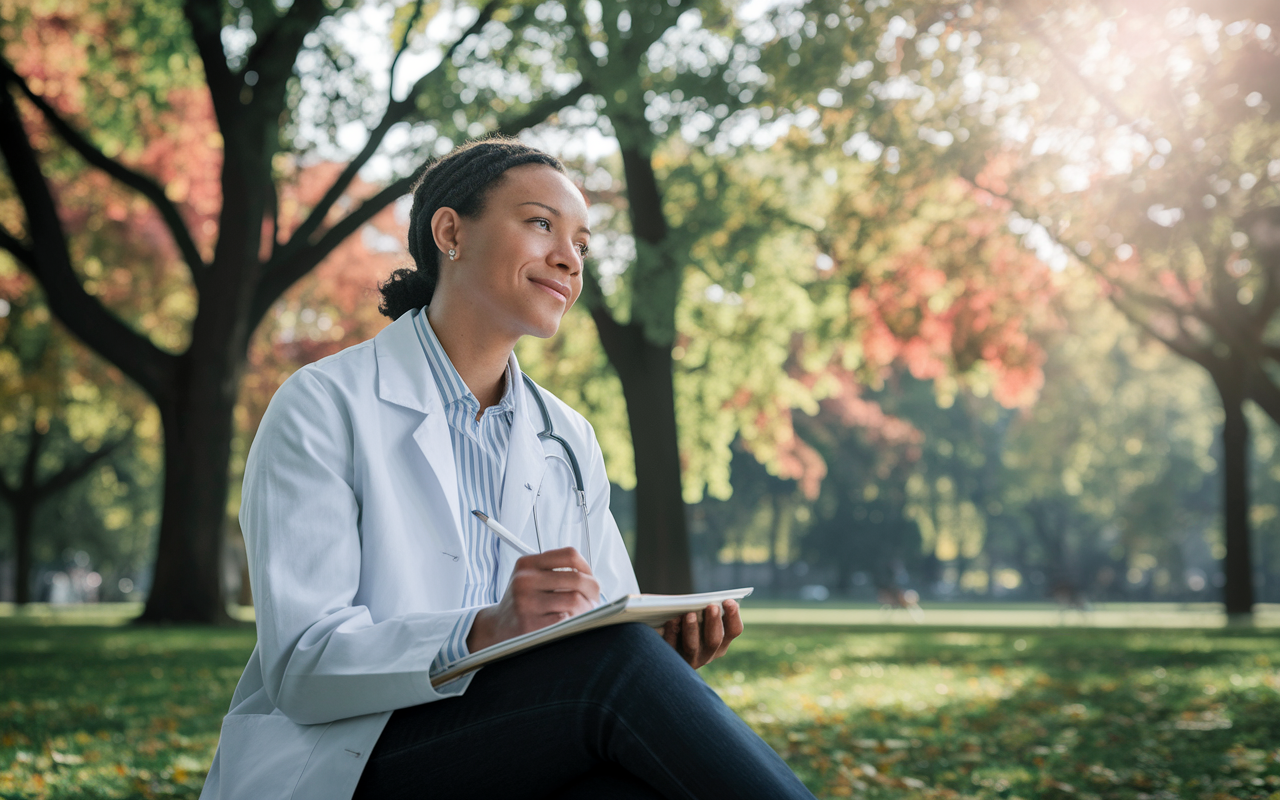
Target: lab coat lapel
(405,379)
(525,465)
(433,439)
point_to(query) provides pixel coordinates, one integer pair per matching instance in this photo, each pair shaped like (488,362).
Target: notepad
(652,609)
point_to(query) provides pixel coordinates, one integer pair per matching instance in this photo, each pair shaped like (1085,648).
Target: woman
(370,573)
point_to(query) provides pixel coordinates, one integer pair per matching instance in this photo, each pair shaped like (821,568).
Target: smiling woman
(371,574)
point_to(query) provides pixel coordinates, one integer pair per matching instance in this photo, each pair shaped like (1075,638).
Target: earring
(453,254)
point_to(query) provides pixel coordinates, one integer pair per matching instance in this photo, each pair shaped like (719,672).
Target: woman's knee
(632,662)
(633,644)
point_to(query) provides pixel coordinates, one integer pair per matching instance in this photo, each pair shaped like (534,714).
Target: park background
(969,304)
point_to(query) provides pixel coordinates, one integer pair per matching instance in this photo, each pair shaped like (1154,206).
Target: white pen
(504,534)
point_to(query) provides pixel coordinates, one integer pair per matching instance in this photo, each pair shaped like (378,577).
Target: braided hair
(461,181)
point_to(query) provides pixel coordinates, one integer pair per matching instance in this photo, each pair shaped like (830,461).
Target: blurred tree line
(883,300)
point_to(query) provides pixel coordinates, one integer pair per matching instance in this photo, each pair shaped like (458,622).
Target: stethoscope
(547,434)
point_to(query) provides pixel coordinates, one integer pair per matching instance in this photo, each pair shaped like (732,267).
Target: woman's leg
(532,725)
(607,783)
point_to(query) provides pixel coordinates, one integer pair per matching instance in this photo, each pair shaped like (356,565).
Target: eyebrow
(555,211)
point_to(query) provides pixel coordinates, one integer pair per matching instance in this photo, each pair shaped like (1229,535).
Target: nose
(566,257)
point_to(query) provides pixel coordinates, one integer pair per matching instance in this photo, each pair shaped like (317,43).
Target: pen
(504,534)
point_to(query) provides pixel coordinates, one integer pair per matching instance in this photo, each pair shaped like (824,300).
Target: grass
(1032,713)
(105,711)
(100,710)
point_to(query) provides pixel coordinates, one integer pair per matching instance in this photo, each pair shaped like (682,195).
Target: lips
(554,287)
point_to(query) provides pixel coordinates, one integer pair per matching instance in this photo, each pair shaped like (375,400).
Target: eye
(583,250)
(542,222)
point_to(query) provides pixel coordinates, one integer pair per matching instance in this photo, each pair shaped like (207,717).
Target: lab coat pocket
(264,755)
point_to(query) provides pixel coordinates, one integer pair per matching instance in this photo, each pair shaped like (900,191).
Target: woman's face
(519,263)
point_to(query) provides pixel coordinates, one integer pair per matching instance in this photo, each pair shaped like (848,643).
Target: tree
(1156,163)
(252,69)
(724,237)
(67,418)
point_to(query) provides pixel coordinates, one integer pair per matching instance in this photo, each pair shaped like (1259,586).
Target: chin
(542,327)
(545,331)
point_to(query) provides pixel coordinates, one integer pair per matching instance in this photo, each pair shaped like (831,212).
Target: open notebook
(652,609)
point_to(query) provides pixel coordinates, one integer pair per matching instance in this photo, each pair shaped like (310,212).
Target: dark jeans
(614,713)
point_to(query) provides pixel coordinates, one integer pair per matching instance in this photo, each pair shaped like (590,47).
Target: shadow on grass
(1031,713)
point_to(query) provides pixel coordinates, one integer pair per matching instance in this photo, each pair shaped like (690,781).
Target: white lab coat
(351,519)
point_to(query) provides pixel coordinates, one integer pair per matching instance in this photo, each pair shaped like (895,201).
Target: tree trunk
(24,509)
(198,430)
(198,415)
(188,566)
(640,352)
(23,500)
(779,520)
(662,533)
(1237,594)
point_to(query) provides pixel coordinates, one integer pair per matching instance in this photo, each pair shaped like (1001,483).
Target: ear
(446,229)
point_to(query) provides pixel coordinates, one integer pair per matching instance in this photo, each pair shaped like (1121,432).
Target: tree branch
(205,19)
(539,111)
(1072,69)
(1181,344)
(70,475)
(143,184)
(1263,391)
(283,275)
(12,493)
(27,483)
(396,111)
(1206,314)
(297,258)
(83,314)
(275,52)
(15,246)
(404,45)
(273,209)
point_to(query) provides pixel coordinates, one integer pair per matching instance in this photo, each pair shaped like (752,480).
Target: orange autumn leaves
(80,56)
(963,306)
(967,295)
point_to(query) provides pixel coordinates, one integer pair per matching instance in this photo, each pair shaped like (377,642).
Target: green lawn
(875,711)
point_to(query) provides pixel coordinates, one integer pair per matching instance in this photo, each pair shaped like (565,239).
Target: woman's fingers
(671,633)
(579,582)
(530,581)
(712,632)
(560,558)
(732,626)
(690,638)
(701,641)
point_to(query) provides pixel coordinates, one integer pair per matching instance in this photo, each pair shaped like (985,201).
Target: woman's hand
(544,589)
(702,643)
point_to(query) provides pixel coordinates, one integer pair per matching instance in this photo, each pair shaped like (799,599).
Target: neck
(478,353)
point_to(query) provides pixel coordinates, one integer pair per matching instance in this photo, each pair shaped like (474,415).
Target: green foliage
(63,397)
(841,306)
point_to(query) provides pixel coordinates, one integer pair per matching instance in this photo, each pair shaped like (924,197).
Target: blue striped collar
(448,381)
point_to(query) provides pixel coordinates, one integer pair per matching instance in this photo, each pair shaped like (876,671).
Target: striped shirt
(480,456)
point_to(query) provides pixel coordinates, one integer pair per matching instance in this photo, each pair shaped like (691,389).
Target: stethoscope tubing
(548,434)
